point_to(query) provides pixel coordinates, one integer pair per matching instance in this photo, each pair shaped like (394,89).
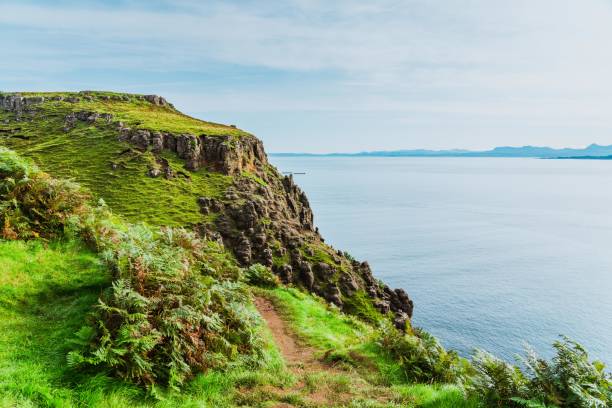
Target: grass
(136,113)
(253,177)
(46,291)
(359,304)
(436,396)
(87,153)
(344,339)
(321,325)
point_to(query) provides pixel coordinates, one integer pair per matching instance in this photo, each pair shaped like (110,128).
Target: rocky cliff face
(263,217)
(226,154)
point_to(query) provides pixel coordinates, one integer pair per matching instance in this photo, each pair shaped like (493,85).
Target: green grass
(343,338)
(359,304)
(46,291)
(137,113)
(86,154)
(321,325)
(253,177)
(436,396)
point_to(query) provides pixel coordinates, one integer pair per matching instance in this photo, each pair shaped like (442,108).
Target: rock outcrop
(264,217)
(226,154)
(17,103)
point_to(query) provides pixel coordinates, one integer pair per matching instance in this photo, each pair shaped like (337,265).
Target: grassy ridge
(134,112)
(88,152)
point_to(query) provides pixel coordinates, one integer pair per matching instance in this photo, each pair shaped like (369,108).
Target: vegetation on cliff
(98,309)
(151,163)
(171,307)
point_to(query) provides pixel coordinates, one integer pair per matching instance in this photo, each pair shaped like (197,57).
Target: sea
(497,253)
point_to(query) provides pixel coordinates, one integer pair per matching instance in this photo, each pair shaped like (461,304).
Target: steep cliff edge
(155,164)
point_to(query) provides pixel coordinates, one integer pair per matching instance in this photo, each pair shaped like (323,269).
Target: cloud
(301,35)
(524,61)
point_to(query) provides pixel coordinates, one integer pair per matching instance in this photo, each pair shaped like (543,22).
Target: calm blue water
(494,252)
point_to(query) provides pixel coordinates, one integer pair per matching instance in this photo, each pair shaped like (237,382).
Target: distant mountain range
(593,151)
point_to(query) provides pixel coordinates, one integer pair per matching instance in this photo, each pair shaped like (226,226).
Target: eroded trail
(318,384)
(296,354)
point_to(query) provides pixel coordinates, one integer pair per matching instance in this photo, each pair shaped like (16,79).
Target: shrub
(163,318)
(568,380)
(12,166)
(33,204)
(261,276)
(495,381)
(422,358)
(208,257)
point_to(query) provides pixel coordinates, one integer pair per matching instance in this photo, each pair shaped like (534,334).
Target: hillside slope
(97,311)
(48,289)
(152,163)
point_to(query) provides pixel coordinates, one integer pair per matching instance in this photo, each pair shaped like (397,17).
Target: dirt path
(317,384)
(296,354)
(302,362)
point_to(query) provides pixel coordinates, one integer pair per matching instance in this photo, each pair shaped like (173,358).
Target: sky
(329,76)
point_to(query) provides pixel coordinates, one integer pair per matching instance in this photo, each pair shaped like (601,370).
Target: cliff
(155,164)
(99,310)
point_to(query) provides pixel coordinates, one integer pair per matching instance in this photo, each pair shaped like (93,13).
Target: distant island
(609,157)
(593,151)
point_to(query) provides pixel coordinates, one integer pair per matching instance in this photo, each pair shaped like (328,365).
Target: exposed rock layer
(264,217)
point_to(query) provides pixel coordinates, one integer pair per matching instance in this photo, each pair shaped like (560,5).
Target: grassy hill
(151,163)
(47,289)
(159,298)
(92,154)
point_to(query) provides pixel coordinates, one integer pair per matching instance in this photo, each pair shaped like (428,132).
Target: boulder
(401,320)
(266,257)
(286,273)
(383,306)
(243,250)
(348,284)
(157,142)
(140,138)
(156,100)
(322,270)
(333,295)
(154,172)
(69,122)
(306,275)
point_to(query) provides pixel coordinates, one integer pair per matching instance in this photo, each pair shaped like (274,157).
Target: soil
(300,359)
(295,353)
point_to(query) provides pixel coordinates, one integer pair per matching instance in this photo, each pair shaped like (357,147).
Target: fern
(161,320)
(531,403)
(422,358)
(176,305)
(260,275)
(569,380)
